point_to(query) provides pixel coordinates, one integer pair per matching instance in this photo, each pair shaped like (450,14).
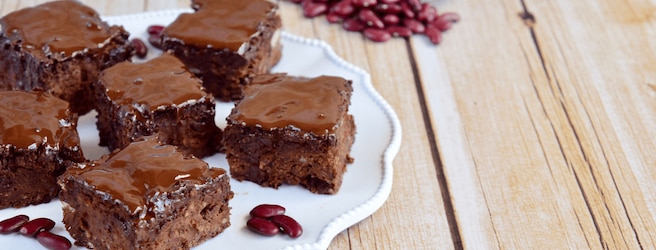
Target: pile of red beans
(380,20)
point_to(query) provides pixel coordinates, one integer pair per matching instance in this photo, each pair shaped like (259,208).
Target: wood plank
(600,57)
(508,168)
(414,216)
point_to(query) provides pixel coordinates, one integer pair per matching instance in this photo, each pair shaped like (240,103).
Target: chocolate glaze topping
(145,169)
(277,100)
(220,23)
(161,81)
(28,118)
(60,26)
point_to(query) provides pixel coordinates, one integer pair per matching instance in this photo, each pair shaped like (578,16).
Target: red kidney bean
(344,8)
(140,49)
(427,13)
(155,29)
(334,18)
(364,3)
(353,24)
(377,35)
(288,225)
(266,211)
(415,5)
(31,228)
(389,1)
(441,24)
(53,241)
(13,224)
(391,19)
(155,40)
(262,226)
(414,25)
(391,8)
(399,31)
(370,18)
(407,10)
(450,16)
(312,9)
(434,34)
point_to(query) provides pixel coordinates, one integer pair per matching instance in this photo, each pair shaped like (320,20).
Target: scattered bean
(31,228)
(155,29)
(370,18)
(434,34)
(53,241)
(155,40)
(414,25)
(312,9)
(288,225)
(353,24)
(140,48)
(399,31)
(13,224)
(377,35)
(262,226)
(266,211)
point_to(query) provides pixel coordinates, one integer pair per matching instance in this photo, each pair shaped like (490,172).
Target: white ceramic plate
(366,185)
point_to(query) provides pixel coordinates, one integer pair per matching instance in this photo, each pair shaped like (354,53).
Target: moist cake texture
(157,96)
(226,42)
(291,130)
(145,196)
(59,47)
(38,142)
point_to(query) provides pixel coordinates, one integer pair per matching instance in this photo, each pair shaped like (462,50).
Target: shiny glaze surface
(143,170)
(162,81)
(277,100)
(220,23)
(28,118)
(60,26)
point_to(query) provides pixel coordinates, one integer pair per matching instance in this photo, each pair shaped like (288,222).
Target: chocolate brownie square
(156,96)
(291,130)
(60,47)
(226,42)
(145,196)
(38,142)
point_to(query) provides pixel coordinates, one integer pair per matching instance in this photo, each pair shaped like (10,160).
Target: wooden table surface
(532,126)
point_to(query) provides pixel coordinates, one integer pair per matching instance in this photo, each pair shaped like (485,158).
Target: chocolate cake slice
(291,130)
(226,42)
(157,96)
(59,47)
(38,142)
(145,196)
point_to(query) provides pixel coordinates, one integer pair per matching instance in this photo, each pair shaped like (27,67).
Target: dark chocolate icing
(28,118)
(143,170)
(60,26)
(162,81)
(220,23)
(277,100)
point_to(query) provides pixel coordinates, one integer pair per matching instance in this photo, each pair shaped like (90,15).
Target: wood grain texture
(545,126)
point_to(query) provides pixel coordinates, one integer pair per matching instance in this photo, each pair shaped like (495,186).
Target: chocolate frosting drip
(161,81)
(60,27)
(143,170)
(28,118)
(220,23)
(277,100)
